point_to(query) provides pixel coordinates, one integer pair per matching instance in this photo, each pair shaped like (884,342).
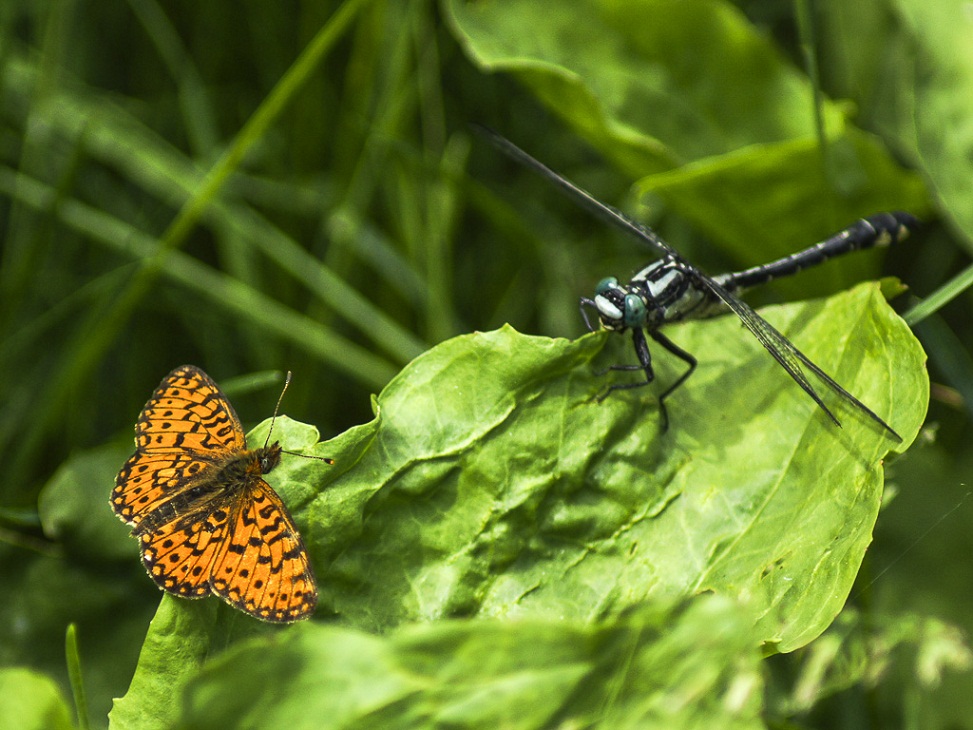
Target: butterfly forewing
(187,424)
(147,480)
(188,411)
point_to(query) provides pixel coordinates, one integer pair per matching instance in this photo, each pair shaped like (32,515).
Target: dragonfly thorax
(672,288)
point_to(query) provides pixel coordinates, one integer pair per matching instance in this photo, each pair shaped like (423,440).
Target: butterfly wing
(264,570)
(188,411)
(186,425)
(179,554)
(146,481)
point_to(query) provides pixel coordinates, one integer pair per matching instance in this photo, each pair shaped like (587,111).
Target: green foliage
(491,484)
(857,651)
(75,674)
(256,188)
(614,90)
(496,486)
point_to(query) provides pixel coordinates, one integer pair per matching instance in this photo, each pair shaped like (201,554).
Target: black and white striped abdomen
(881,229)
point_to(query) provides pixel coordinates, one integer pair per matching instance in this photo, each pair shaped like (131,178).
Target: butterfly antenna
(287,381)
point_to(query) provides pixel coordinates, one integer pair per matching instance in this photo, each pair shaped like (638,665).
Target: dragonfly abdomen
(881,229)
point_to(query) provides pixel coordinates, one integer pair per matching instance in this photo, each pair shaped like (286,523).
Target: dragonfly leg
(682,355)
(583,303)
(645,365)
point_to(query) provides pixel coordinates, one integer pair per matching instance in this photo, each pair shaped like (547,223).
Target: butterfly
(205,519)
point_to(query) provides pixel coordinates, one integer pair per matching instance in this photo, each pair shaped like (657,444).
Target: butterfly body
(206,520)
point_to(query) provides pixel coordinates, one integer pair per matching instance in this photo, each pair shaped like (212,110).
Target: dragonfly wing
(789,357)
(580,196)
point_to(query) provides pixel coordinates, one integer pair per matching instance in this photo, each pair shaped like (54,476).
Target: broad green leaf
(179,639)
(31,701)
(492,484)
(692,667)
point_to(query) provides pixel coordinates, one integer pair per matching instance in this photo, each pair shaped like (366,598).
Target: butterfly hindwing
(178,555)
(265,570)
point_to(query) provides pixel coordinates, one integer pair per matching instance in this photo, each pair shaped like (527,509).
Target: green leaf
(912,74)
(491,484)
(179,639)
(31,701)
(692,667)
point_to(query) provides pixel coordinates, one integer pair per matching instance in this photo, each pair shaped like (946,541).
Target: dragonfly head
(618,307)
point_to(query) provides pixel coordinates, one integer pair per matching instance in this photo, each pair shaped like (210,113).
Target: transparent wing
(580,196)
(789,357)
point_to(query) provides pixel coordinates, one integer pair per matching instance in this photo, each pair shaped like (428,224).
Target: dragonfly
(671,290)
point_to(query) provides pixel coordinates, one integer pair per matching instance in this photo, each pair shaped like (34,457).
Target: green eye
(609,282)
(634,311)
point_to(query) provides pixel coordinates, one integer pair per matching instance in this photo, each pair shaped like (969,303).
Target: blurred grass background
(256,187)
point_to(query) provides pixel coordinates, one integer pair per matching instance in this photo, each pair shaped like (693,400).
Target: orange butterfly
(205,519)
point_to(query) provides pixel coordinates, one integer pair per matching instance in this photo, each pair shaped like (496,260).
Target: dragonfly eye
(634,311)
(605,285)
